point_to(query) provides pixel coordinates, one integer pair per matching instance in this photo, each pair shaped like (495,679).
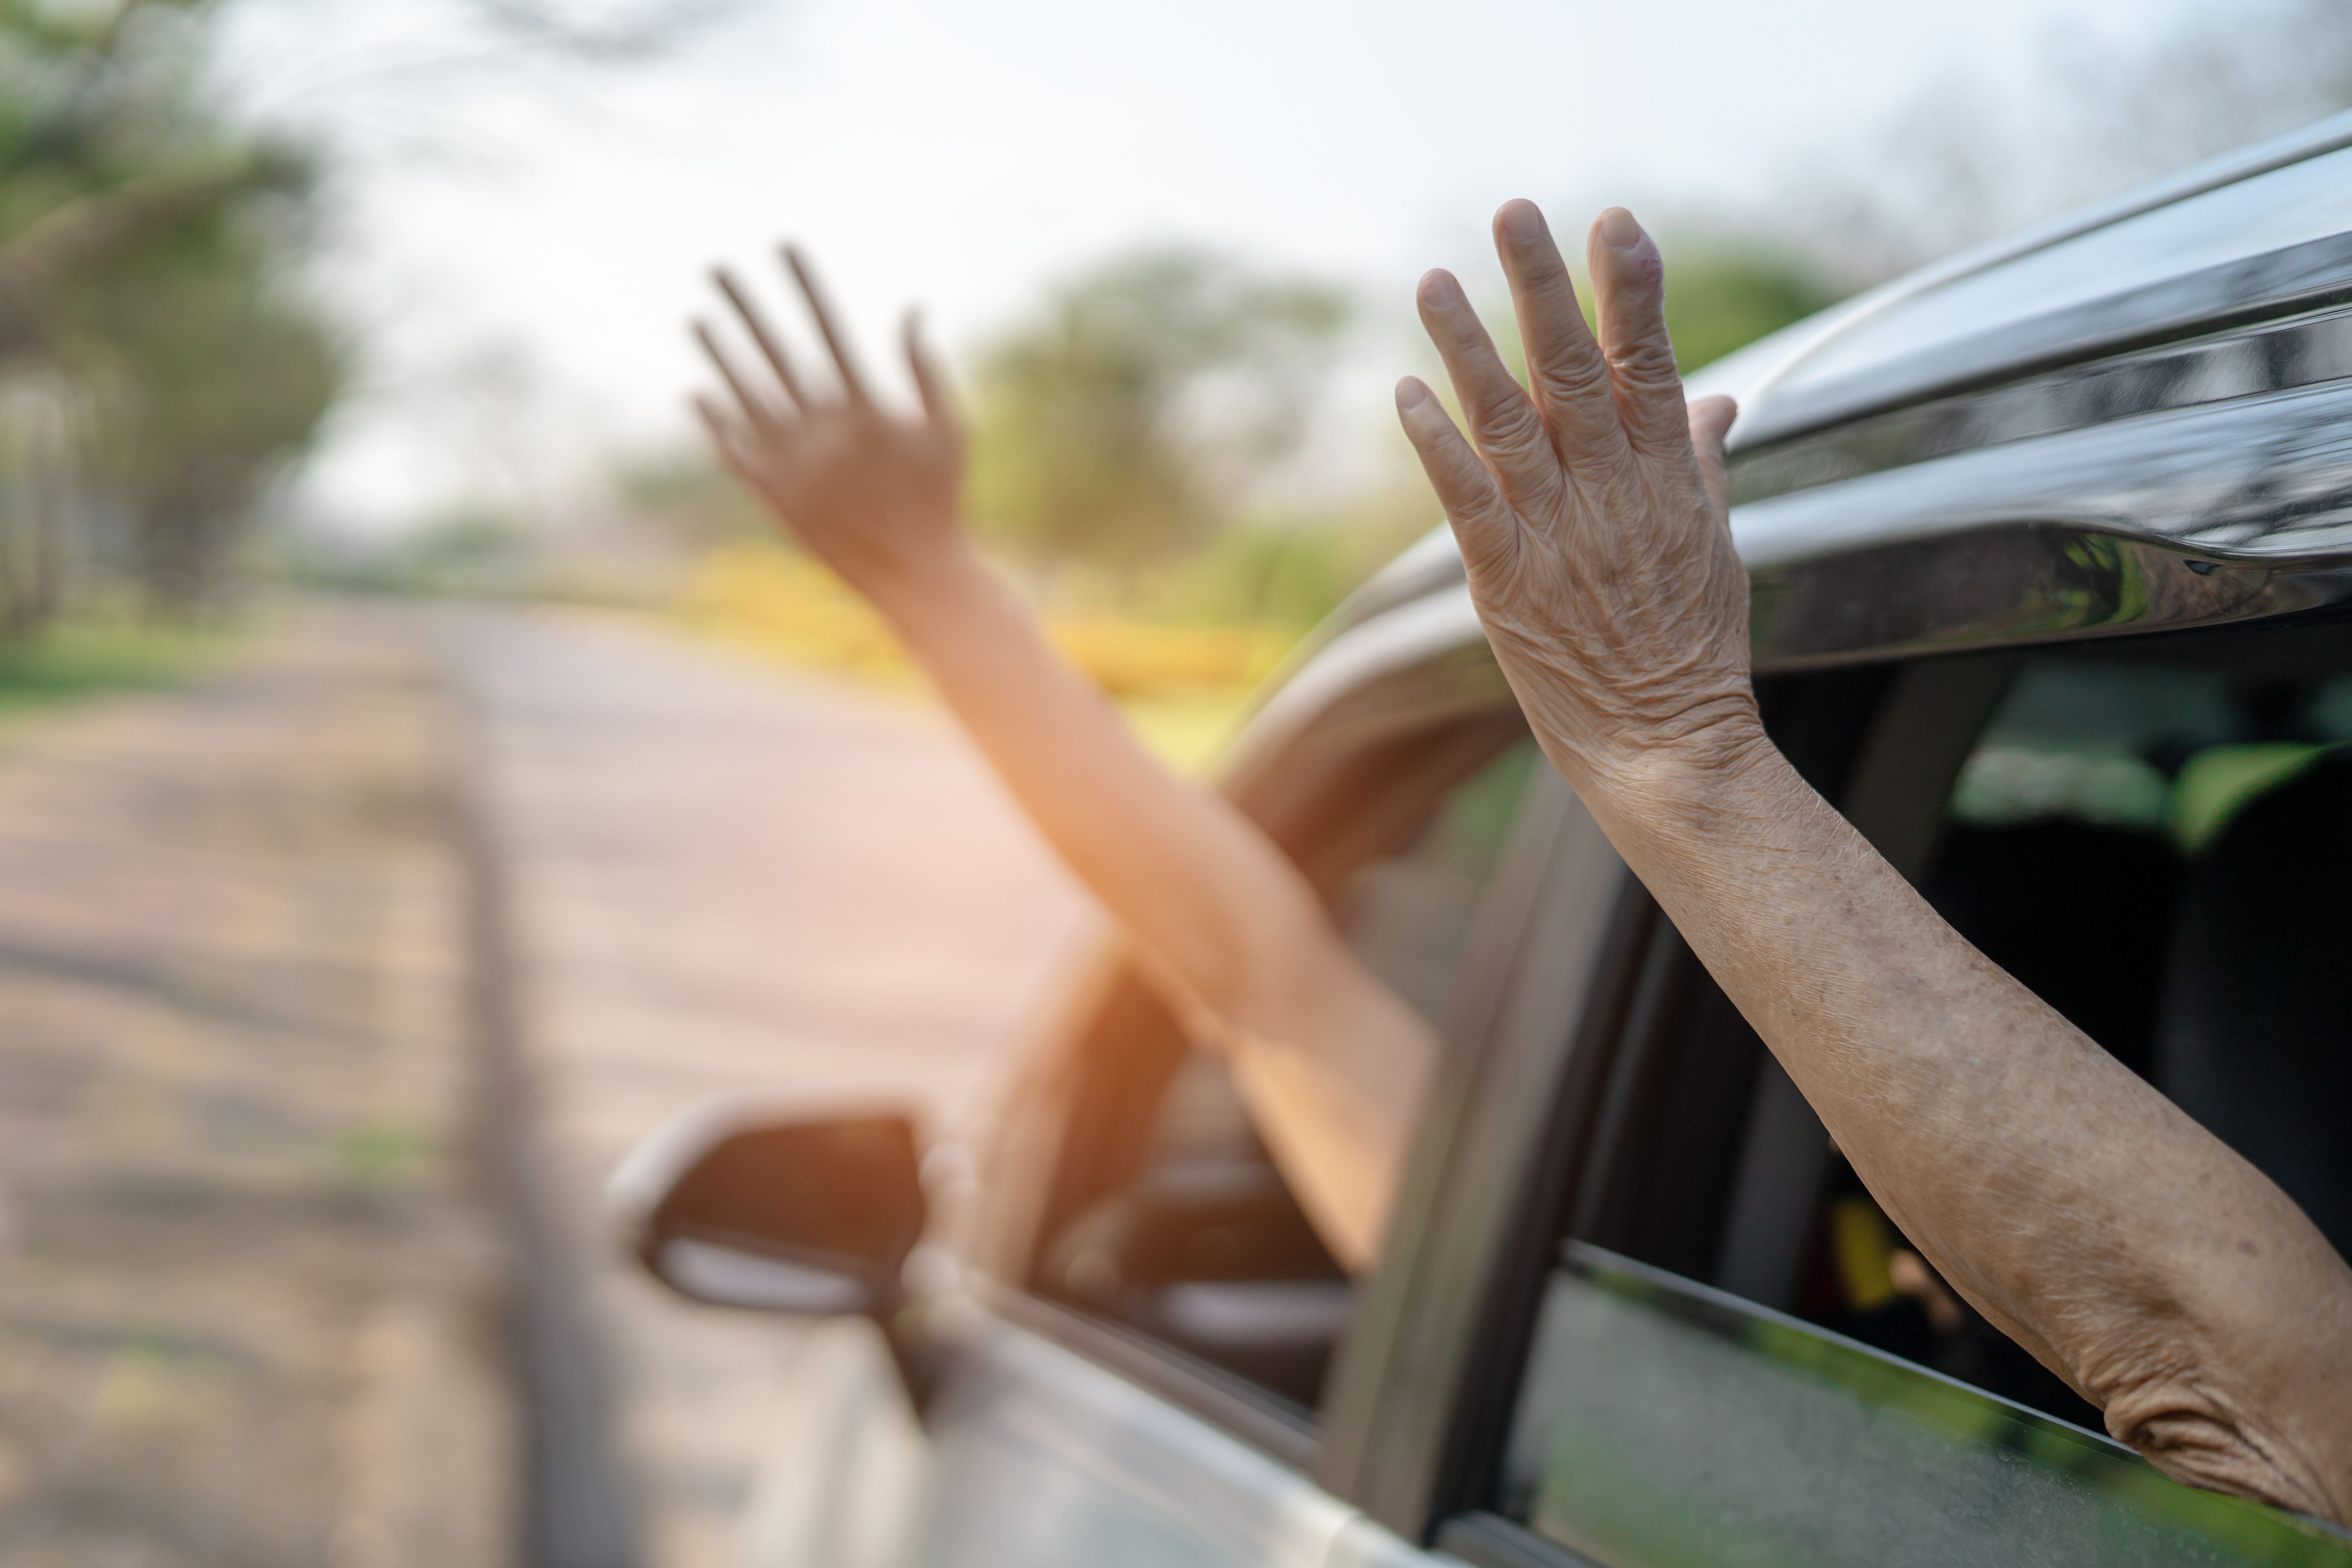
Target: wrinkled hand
(872,493)
(1592,514)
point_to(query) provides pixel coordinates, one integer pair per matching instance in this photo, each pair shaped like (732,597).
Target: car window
(1739,1358)
(1202,1246)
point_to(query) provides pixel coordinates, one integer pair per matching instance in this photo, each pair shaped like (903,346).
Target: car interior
(2152,837)
(2147,833)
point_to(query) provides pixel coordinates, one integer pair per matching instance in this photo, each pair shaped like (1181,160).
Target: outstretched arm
(2131,1251)
(1333,1063)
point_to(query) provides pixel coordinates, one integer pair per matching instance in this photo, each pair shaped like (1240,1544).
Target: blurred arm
(1332,1064)
(2129,1249)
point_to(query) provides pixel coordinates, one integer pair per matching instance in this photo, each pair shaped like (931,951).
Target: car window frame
(1893,785)
(1415,686)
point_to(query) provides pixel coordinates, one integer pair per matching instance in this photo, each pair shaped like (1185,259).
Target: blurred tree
(144,242)
(1121,425)
(1723,294)
(208,374)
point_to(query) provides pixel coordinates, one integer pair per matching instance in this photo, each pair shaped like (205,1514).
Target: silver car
(2051,554)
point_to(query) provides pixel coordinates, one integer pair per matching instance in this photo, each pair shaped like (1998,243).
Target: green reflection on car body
(1694,1428)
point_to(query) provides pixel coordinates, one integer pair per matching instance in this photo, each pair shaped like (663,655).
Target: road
(724,876)
(248,1280)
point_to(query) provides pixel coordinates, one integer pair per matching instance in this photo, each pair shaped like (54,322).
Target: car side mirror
(742,1203)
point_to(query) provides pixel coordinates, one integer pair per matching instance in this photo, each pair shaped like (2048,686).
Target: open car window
(1194,1240)
(1737,1357)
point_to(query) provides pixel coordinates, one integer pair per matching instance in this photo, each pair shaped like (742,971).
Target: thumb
(1710,423)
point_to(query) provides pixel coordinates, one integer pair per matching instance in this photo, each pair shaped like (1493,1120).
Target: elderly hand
(1591,513)
(871,492)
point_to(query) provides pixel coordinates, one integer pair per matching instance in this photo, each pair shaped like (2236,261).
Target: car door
(1139,1376)
(1711,1346)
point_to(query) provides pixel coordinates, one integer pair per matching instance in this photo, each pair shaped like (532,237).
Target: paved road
(723,876)
(247,1279)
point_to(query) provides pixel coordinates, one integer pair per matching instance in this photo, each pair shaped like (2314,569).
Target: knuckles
(1646,364)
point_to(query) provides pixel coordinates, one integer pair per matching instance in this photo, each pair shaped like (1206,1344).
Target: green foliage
(1280,575)
(86,659)
(144,244)
(1724,295)
(208,376)
(1121,425)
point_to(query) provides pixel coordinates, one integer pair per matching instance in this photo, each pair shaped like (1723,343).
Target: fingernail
(1438,288)
(1618,227)
(1410,394)
(1522,222)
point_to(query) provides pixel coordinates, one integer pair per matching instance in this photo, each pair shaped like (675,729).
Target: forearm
(1194,883)
(1331,1063)
(2082,1212)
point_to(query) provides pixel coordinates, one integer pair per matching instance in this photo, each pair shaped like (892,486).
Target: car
(2051,549)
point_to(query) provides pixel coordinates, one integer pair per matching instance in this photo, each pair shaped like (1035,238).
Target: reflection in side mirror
(743,1204)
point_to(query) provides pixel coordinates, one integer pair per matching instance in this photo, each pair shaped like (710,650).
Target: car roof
(2162,293)
(2033,297)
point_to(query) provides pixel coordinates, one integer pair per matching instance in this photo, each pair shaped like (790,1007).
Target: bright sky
(544,228)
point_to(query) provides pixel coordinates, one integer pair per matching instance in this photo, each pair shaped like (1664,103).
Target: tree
(1723,294)
(1121,425)
(208,375)
(144,242)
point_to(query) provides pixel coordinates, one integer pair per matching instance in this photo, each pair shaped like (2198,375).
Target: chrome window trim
(2006,587)
(1755,374)
(2032,313)
(2240,362)
(2193,514)
(2184,517)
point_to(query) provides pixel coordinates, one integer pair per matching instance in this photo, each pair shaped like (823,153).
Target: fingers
(1710,422)
(1503,422)
(1566,372)
(756,325)
(853,385)
(754,407)
(1629,288)
(1474,504)
(938,402)
(724,435)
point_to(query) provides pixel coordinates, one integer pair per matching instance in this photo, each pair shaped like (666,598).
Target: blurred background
(422,772)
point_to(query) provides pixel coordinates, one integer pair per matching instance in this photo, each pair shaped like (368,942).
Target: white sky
(544,228)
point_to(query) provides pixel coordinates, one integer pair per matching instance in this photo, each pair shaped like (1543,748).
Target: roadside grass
(81,659)
(1182,684)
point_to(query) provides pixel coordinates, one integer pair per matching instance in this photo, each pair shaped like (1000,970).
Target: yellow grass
(1181,685)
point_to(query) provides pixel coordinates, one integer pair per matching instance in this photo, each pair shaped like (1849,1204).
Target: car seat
(2254,1028)
(2079,912)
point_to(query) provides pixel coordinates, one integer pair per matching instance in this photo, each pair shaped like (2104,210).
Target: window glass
(1672,1424)
(1409,916)
(1740,1359)
(1205,1247)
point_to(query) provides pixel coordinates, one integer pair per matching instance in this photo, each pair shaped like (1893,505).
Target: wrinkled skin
(1617,643)
(2163,1277)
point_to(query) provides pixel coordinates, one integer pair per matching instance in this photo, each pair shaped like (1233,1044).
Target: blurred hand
(1591,512)
(872,493)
